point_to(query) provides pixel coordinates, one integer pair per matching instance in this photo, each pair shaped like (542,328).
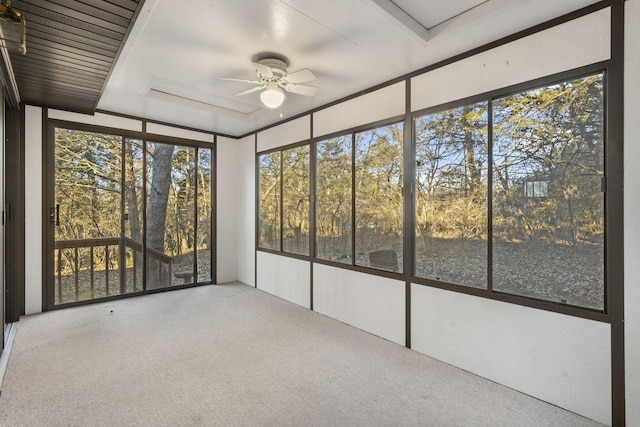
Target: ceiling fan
(273,77)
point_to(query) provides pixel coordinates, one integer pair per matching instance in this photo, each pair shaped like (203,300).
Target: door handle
(54,215)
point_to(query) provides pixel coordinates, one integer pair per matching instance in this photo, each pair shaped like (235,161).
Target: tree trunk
(157,211)
(159,195)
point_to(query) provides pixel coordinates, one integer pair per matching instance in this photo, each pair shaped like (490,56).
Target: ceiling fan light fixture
(274,79)
(272,97)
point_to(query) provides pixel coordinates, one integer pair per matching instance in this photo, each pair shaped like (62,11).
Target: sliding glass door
(127,216)
(86,216)
(171,227)
(179,208)
(204,211)
(133,220)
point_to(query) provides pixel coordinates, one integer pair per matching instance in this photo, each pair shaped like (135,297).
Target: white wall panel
(632,207)
(227,218)
(561,359)
(285,134)
(165,130)
(580,42)
(372,303)
(98,119)
(284,277)
(33,209)
(379,105)
(246,209)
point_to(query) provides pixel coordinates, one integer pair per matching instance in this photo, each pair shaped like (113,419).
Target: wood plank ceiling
(72,46)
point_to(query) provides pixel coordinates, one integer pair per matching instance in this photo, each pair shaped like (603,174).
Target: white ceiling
(171,67)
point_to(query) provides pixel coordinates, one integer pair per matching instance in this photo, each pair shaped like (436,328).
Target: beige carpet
(231,355)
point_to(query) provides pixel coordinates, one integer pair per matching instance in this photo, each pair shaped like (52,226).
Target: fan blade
(301,89)
(254,89)
(255,82)
(263,70)
(300,76)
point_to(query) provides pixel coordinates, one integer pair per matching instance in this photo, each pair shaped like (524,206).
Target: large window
(334,164)
(269,217)
(548,205)
(451,195)
(284,200)
(545,225)
(508,196)
(373,197)
(295,200)
(378,191)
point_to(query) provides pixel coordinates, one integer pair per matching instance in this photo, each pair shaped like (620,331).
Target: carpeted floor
(231,355)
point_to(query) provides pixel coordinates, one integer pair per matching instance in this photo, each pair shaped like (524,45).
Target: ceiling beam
(401,20)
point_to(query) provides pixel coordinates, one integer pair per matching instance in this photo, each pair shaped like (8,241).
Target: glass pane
(180,241)
(333,199)
(87,251)
(133,224)
(170,215)
(269,217)
(204,214)
(295,199)
(379,208)
(548,227)
(451,196)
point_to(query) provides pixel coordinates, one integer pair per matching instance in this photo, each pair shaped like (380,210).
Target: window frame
(352,265)
(435,110)
(281,150)
(48,141)
(489,293)
(283,196)
(409,156)
(314,185)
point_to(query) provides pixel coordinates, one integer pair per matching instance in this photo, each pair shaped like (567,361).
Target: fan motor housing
(278,66)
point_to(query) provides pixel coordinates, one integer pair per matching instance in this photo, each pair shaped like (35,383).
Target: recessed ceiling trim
(474,16)
(402,20)
(199,105)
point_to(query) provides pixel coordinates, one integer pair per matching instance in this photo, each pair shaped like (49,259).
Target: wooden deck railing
(106,243)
